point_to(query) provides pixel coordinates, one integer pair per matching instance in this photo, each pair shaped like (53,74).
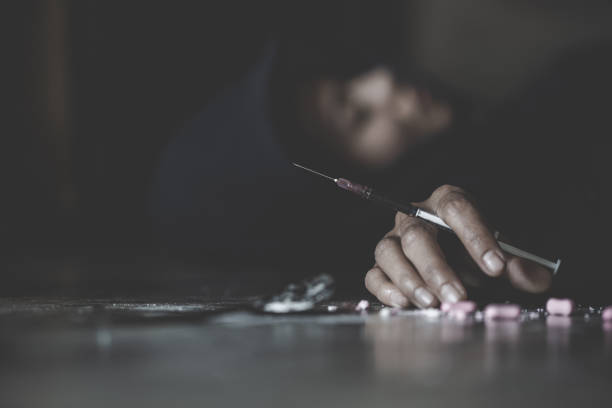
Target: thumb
(528,276)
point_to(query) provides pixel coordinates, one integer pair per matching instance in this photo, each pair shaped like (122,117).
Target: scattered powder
(298,297)
(287,306)
(388,311)
(431,312)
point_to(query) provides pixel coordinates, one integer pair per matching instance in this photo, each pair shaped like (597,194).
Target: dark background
(97,88)
(92,90)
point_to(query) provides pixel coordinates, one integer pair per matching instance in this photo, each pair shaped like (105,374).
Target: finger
(380,286)
(419,244)
(455,208)
(392,261)
(528,276)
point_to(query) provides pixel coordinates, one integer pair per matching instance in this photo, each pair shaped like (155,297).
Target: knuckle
(430,274)
(435,276)
(385,294)
(407,285)
(447,189)
(476,240)
(453,203)
(413,230)
(383,247)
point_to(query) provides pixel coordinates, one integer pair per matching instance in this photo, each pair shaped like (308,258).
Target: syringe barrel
(553,266)
(363,191)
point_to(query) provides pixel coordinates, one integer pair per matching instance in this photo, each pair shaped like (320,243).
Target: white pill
(607,313)
(560,307)
(502,311)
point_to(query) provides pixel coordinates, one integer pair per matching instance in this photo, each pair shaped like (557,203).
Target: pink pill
(362,306)
(466,306)
(560,307)
(502,311)
(607,313)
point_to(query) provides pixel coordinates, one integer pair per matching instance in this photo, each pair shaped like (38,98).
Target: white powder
(287,306)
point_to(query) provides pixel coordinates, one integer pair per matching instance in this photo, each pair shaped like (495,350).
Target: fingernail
(423,296)
(494,262)
(399,300)
(449,293)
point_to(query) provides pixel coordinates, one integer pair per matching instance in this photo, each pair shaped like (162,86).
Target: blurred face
(372,119)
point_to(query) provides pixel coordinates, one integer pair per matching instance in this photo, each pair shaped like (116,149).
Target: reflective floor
(84,356)
(116,351)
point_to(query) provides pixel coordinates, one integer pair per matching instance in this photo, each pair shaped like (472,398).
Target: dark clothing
(226,187)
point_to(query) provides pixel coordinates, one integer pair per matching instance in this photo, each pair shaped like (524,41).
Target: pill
(607,313)
(502,311)
(362,306)
(561,307)
(466,306)
(332,308)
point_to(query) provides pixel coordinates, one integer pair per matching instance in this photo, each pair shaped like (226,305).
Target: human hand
(412,268)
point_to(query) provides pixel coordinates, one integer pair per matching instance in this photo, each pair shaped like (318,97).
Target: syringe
(409,209)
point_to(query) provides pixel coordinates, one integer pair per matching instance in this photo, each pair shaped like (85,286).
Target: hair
(338,39)
(330,40)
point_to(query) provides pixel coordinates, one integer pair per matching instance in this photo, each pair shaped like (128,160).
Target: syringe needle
(315,172)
